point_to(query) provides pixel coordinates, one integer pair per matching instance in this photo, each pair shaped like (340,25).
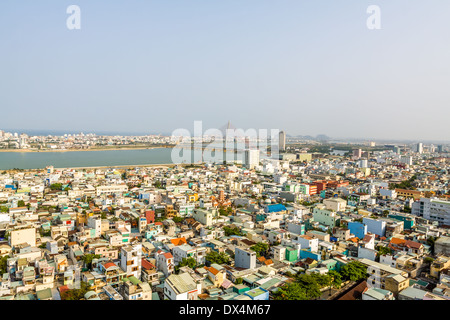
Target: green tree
(428,260)
(178,219)
(354,271)
(260,248)
(407,209)
(190,262)
(4,209)
(323,280)
(216,257)
(56,186)
(87,259)
(3,265)
(290,291)
(384,250)
(158,184)
(430,242)
(76,294)
(336,278)
(239,281)
(223,212)
(45,233)
(308,283)
(232,231)
(21,203)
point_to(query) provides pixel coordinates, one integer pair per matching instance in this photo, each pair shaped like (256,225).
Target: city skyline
(306,68)
(43,132)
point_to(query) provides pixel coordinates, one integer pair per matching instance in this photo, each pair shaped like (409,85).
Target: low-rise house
(181,287)
(135,289)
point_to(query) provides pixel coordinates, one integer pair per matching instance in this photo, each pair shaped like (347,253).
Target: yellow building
(396,283)
(364,213)
(170,211)
(304,157)
(365,171)
(409,193)
(192,197)
(24,235)
(438,265)
(217,277)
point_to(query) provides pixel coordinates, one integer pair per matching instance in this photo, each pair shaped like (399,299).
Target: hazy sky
(308,67)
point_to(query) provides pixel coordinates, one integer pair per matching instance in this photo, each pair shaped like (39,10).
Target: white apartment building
(432,209)
(205,217)
(307,242)
(95,223)
(186,251)
(181,287)
(20,236)
(131,259)
(335,204)
(406,160)
(111,189)
(251,158)
(244,258)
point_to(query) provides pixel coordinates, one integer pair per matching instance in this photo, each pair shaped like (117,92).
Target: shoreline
(125,166)
(120,166)
(82,150)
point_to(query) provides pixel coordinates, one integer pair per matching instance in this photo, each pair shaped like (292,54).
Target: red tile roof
(168,255)
(147,264)
(214,271)
(178,241)
(109,265)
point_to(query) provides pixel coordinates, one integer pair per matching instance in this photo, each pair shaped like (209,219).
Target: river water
(72,159)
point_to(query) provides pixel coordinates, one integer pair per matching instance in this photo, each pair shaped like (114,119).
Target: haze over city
(307,68)
(213,156)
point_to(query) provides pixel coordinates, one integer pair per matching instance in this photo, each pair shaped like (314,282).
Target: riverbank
(103,159)
(161,165)
(79,150)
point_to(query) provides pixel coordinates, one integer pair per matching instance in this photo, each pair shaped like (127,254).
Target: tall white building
(251,158)
(244,258)
(363,163)
(282,141)
(95,222)
(131,259)
(21,236)
(420,147)
(432,209)
(406,160)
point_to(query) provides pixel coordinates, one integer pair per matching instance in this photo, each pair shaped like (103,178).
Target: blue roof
(276,207)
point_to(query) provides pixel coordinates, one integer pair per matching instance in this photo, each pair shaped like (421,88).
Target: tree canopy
(305,287)
(87,259)
(232,231)
(216,257)
(190,262)
(56,186)
(260,248)
(290,291)
(76,294)
(3,266)
(354,271)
